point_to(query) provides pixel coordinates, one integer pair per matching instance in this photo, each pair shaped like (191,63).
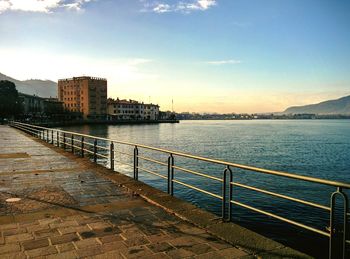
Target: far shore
(99,122)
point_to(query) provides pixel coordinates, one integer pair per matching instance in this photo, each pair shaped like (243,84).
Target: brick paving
(68,211)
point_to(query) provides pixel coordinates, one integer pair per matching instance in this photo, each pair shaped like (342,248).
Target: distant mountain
(42,88)
(339,106)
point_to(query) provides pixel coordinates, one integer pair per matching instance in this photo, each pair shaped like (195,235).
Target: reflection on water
(318,148)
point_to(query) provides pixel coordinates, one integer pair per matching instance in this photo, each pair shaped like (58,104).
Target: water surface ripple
(317,148)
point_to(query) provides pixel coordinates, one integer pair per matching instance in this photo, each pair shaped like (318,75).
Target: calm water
(318,148)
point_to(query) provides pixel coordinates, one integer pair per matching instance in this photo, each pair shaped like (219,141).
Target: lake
(317,148)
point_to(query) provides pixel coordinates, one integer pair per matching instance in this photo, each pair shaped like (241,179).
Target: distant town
(245,116)
(84,99)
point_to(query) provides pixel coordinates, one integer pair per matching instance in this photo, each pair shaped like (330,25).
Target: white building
(131,110)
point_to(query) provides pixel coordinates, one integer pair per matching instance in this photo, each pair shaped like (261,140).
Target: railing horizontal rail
(123,163)
(281,196)
(100,155)
(124,153)
(77,147)
(101,147)
(198,189)
(152,172)
(30,129)
(89,151)
(216,161)
(197,173)
(88,143)
(281,218)
(152,160)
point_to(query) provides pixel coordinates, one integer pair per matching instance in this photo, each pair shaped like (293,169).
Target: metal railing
(103,148)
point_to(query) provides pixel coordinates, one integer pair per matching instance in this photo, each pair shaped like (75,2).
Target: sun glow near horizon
(128,79)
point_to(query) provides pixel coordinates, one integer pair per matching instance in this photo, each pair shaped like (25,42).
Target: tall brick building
(85,95)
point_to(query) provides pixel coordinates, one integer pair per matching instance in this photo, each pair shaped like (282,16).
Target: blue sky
(223,55)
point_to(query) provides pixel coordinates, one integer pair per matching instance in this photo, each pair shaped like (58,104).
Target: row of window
(73,98)
(73,105)
(132,112)
(72,92)
(132,106)
(127,106)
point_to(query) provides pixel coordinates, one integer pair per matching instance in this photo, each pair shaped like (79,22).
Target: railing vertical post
(64,140)
(171,175)
(72,143)
(136,163)
(230,194)
(169,168)
(345,224)
(111,155)
(337,245)
(170,172)
(227,170)
(58,138)
(82,147)
(223,206)
(52,137)
(95,150)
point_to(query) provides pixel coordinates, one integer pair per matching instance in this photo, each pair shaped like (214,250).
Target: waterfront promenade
(67,207)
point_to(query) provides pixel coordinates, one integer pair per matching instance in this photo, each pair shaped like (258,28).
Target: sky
(220,56)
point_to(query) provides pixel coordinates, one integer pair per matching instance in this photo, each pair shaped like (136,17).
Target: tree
(10,104)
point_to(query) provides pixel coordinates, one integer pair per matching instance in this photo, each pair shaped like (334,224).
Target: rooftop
(83,78)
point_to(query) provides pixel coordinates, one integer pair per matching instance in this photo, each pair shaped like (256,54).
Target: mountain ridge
(340,106)
(42,88)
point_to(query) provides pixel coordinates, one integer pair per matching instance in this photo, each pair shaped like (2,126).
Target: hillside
(339,106)
(42,88)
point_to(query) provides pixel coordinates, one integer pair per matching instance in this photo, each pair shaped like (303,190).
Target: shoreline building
(131,110)
(36,106)
(84,95)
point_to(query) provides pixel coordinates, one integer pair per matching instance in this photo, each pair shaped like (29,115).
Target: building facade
(131,110)
(85,95)
(151,112)
(33,105)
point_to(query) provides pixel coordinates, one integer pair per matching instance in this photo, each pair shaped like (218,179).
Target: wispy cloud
(42,6)
(224,62)
(187,6)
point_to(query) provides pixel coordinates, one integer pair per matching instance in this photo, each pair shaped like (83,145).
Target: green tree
(10,104)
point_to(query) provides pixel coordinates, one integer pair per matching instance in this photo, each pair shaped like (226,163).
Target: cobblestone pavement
(68,211)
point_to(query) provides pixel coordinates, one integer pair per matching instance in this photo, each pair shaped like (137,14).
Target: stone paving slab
(72,208)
